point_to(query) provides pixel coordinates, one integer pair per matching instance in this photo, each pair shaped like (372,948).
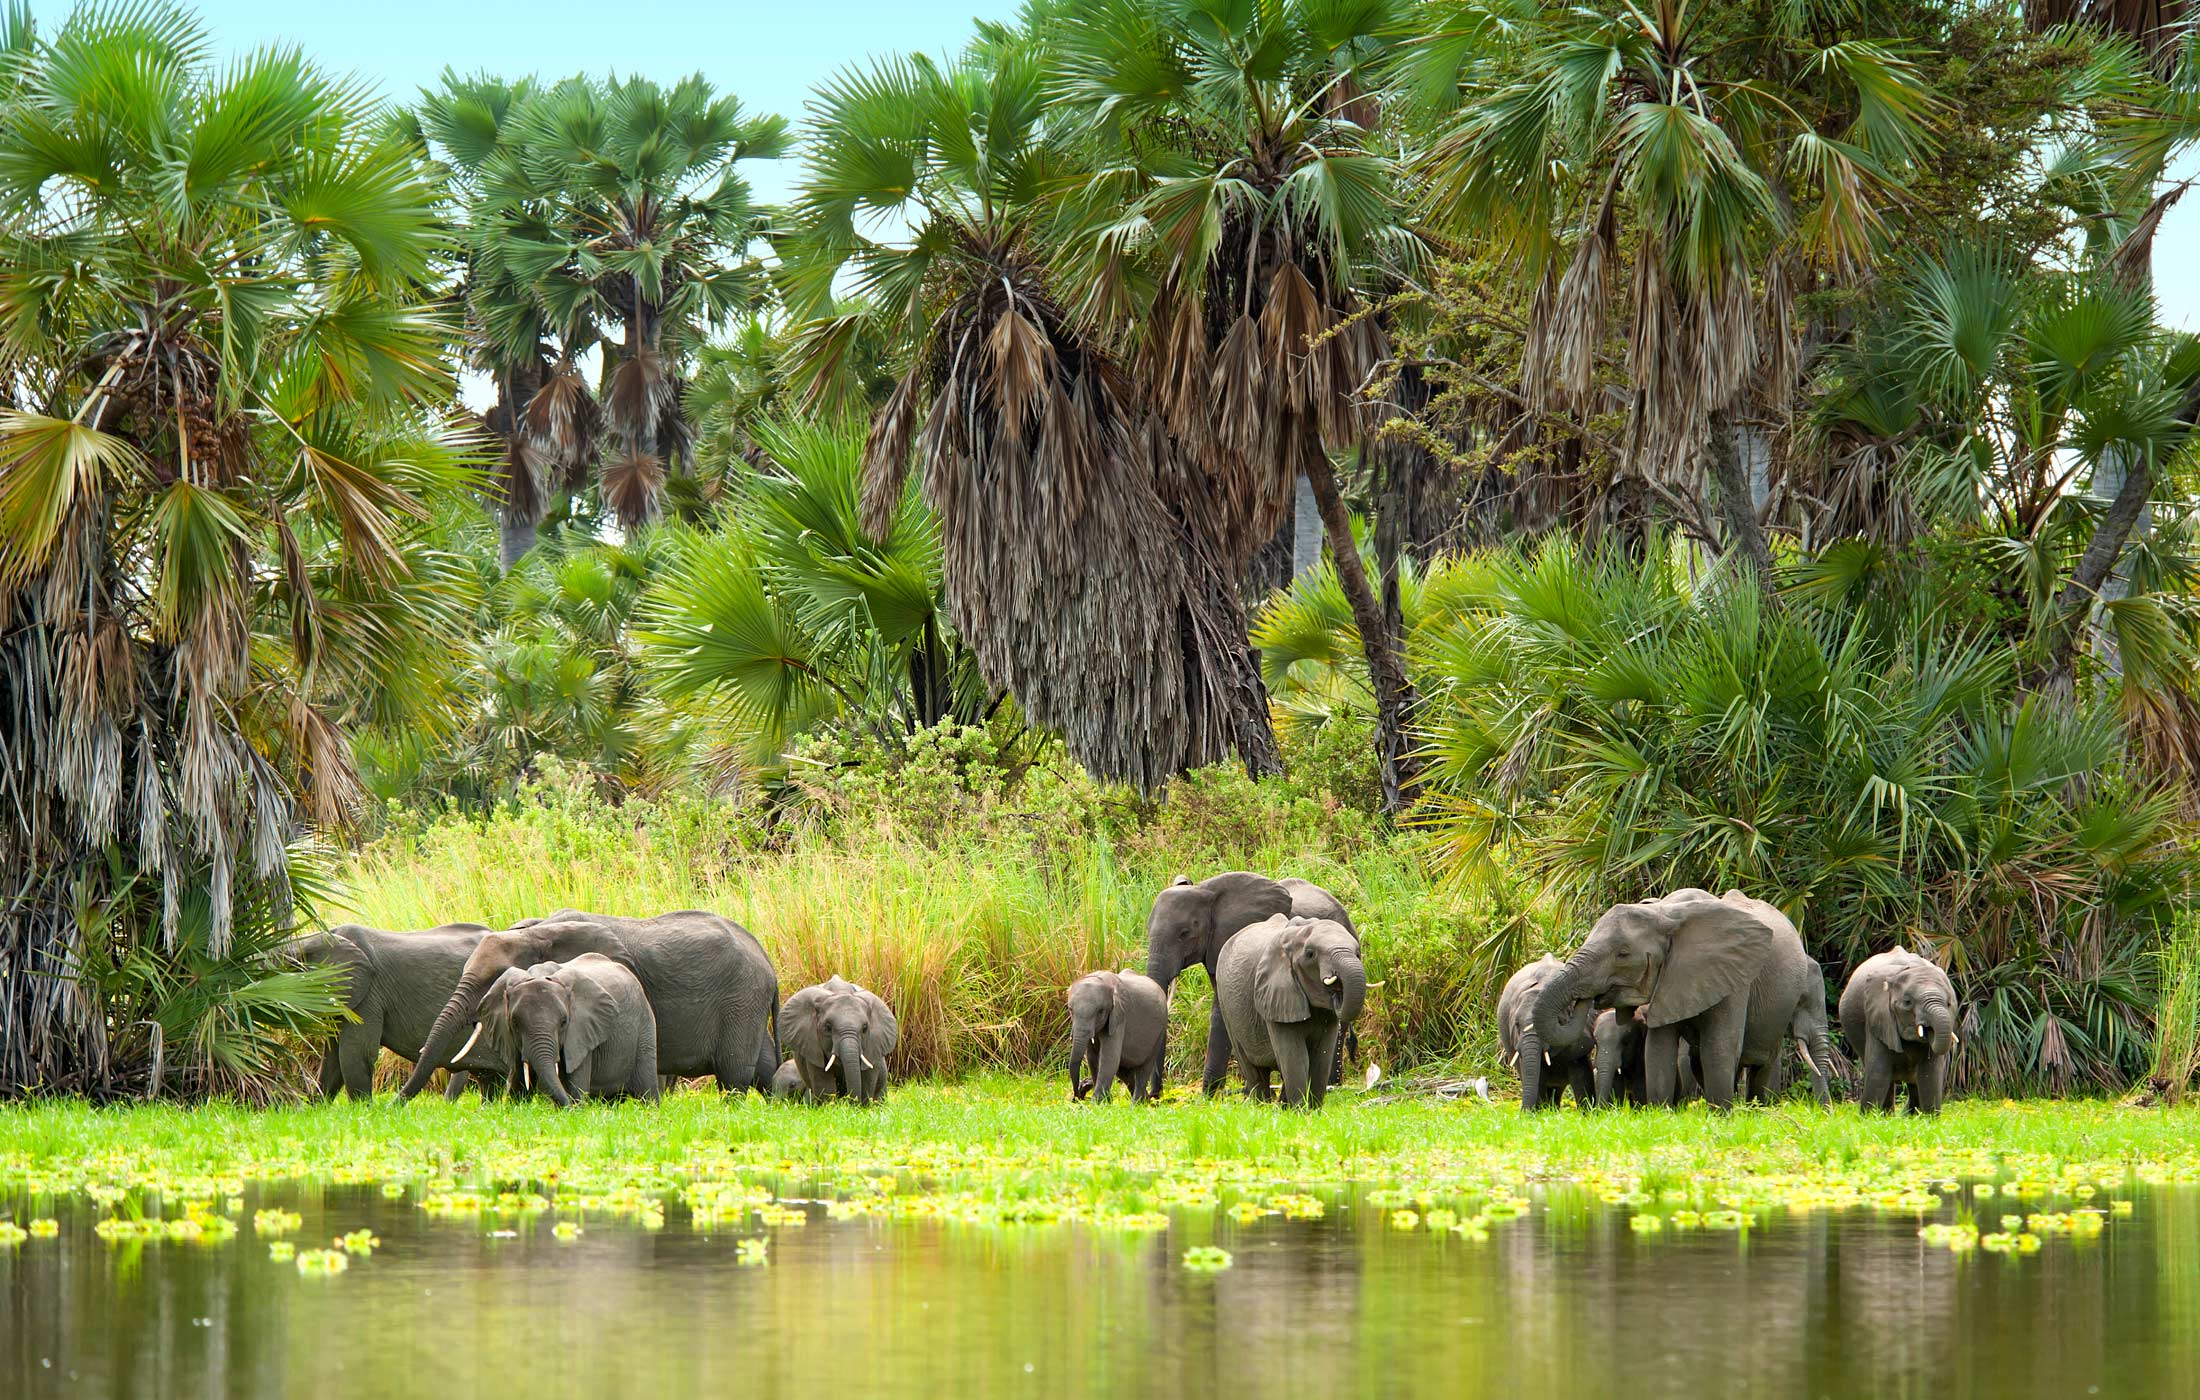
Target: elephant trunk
(450,1022)
(542,1062)
(1346,983)
(1553,999)
(1530,1065)
(1940,1025)
(1083,1045)
(1607,1077)
(851,1067)
(1163,967)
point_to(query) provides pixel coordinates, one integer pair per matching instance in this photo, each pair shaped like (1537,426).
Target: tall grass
(971,937)
(2177,1014)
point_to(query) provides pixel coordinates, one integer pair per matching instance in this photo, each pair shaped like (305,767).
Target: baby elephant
(787,1082)
(837,1025)
(578,1029)
(1620,1069)
(1287,988)
(1118,1026)
(1898,1012)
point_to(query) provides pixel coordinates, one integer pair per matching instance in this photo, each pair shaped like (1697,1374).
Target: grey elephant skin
(1192,922)
(1119,1031)
(1620,1038)
(1714,971)
(839,1035)
(1286,989)
(573,1030)
(394,983)
(1898,1012)
(787,1081)
(1550,1058)
(707,979)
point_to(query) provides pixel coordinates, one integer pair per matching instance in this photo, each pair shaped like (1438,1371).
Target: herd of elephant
(1691,992)
(1694,992)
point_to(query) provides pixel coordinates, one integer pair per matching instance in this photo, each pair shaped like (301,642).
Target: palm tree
(1247,216)
(468,124)
(1734,168)
(646,231)
(217,454)
(1086,588)
(794,616)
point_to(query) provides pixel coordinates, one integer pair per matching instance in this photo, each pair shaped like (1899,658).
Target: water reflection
(1566,1302)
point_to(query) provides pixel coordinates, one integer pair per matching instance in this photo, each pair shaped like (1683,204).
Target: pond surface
(1568,1300)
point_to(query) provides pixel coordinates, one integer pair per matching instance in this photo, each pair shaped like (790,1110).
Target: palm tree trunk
(2094,568)
(1738,501)
(1395,700)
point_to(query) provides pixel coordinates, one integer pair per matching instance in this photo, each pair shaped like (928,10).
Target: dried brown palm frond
(633,483)
(642,387)
(1078,590)
(560,424)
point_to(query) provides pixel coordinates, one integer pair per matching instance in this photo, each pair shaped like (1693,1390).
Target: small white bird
(1374,1075)
(1481,1087)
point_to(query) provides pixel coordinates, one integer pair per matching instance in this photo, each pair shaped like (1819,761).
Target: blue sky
(770,54)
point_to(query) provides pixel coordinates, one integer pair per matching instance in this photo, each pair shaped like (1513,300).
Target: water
(1564,1302)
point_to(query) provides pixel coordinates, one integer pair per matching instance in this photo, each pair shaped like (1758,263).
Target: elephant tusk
(468,1045)
(526,1075)
(1546,1059)
(832,1059)
(1921,1034)
(867,1062)
(1802,1047)
(1330,981)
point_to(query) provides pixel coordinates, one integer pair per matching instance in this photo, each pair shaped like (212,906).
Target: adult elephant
(1192,920)
(713,990)
(1696,963)
(1549,1058)
(1898,1012)
(1287,989)
(1620,1037)
(393,983)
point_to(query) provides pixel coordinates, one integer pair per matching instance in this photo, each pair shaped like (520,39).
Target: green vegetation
(1015,1148)
(1746,446)
(968,900)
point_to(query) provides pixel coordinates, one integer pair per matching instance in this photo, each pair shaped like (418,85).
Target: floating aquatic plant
(1206,1259)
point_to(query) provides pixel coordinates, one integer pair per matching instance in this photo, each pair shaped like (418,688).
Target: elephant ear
(1879,1012)
(1277,994)
(802,1025)
(1715,952)
(1243,899)
(591,1015)
(881,1032)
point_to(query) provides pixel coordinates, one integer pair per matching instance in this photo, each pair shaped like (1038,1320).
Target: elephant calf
(1552,1059)
(1119,1027)
(1287,988)
(786,1082)
(1621,1038)
(578,1029)
(1898,1012)
(837,1025)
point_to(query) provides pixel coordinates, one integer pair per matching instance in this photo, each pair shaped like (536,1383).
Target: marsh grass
(1014,1118)
(2177,1016)
(973,940)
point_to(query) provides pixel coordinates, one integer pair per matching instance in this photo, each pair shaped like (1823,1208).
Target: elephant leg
(1877,1089)
(1661,1064)
(331,1078)
(1322,1051)
(1582,1079)
(1218,1054)
(1110,1067)
(1295,1064)
(1931,1086)
(1257,1085)
(457,1085)
(357,1048)
(1719,1053)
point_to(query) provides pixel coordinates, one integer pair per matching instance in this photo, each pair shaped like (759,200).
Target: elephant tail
(772,1021)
